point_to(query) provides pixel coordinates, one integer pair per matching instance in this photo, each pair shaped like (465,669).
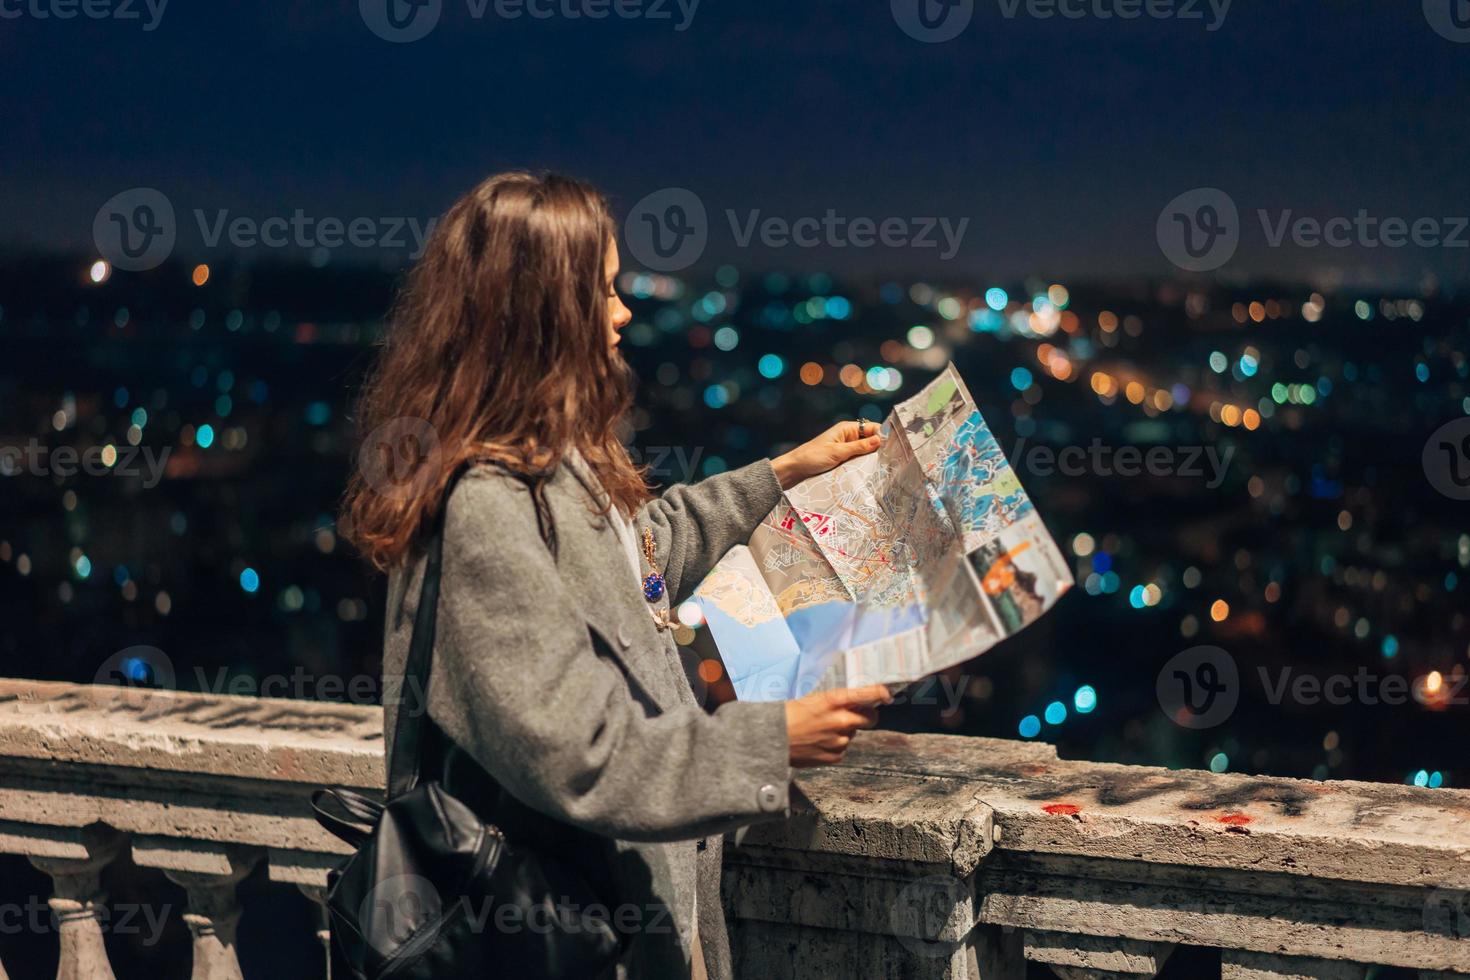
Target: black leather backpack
(434,890)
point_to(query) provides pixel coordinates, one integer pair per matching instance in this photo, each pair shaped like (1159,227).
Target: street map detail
(892,566)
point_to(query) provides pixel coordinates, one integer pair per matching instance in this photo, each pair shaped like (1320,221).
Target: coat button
(623,640)
(769,797)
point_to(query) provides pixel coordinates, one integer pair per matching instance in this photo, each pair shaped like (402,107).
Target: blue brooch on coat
(653,583)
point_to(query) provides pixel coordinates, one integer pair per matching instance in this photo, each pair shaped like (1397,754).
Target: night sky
(1060,139)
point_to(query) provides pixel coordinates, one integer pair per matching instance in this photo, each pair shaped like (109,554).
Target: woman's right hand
(821,725)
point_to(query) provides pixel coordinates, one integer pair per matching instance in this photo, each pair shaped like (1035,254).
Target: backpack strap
(411,725)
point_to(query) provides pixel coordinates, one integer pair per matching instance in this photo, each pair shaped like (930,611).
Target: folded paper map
(890,567)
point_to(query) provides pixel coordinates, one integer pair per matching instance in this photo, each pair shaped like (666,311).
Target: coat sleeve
(519,685)
(694,525)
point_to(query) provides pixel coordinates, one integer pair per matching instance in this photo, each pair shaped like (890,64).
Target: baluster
(77,900)
(318,896)
(214,913)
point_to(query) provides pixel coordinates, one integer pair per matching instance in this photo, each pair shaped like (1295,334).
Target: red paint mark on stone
(1062,809)
(1234,819)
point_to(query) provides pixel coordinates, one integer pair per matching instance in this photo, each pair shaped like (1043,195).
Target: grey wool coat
(555,686)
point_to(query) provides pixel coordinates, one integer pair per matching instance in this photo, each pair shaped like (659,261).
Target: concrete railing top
(280,740)
(904,797)
(1035,802)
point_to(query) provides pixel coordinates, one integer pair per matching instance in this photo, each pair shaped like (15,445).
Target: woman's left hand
(837,445)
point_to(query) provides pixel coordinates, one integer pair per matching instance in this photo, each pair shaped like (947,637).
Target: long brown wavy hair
(497,351)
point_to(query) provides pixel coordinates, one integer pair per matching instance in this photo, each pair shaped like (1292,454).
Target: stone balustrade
(920,857)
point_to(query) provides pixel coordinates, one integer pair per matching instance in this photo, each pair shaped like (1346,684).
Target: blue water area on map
(783,658)
(875,622)
(821,628)
(975,459)
(834,626)
(761,659)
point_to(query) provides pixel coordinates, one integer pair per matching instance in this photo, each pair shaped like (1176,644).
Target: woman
(557,686)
